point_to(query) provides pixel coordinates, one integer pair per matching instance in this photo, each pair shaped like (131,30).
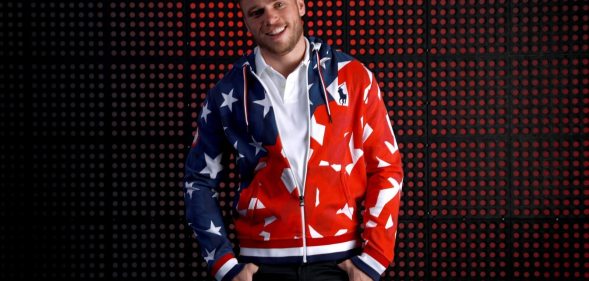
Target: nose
(271,17)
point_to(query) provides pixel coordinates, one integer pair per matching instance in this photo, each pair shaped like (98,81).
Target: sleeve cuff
(226,268)
(369,265)
(237,268)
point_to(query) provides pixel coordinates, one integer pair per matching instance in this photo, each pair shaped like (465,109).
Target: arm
(383,190)
(203,172)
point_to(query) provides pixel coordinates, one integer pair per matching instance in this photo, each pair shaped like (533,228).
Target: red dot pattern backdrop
(489,100)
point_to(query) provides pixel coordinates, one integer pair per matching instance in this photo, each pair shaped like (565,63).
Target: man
(306,160)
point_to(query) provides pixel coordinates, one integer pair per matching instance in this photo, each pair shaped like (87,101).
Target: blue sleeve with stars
(203,173)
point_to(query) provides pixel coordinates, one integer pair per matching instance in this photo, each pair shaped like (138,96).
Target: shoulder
(231,79)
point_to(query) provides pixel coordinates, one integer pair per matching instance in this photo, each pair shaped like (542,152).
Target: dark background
(489,100)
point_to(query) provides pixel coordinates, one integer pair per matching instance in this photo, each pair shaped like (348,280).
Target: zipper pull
(301,200)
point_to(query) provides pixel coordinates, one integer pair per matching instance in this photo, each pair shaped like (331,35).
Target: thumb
(253,268)
(343,265)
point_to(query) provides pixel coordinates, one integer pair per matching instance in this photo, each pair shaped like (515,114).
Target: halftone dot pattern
(71,208)
(147,100)
(216,30)
(68,100)
(69,249)
(555,250)
(548,95)
(469,250)
(539,168)
(12,158)
(329,21)
(468,27)
(12,104)
(12,29)
(410,252)
(468,179)
(489,101)
(202,78)
(540,27)
(67,28)
(386,28)
(146,28)
(146,183)
(71,180)
(468,97)
(414,200)
(151,250)
(405,82)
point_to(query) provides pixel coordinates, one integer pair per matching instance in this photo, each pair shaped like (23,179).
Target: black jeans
(321,271)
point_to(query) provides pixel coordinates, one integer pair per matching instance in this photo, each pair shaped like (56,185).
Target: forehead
(247,4)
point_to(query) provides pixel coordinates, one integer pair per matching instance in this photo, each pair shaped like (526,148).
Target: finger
(343,265)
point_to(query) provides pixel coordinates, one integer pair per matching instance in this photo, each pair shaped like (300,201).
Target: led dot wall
(489,100)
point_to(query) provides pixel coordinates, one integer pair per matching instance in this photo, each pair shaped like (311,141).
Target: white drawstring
(245,95)
(323,86)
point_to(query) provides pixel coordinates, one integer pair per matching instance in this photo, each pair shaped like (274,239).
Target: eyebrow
(254,8)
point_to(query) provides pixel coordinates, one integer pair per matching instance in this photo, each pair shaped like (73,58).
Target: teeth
(276,31)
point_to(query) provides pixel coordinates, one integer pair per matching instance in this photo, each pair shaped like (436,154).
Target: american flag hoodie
(354,164)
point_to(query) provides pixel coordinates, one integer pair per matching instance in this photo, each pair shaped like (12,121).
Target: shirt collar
(261,65)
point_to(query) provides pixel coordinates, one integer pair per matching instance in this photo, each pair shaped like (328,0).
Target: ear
(301,6)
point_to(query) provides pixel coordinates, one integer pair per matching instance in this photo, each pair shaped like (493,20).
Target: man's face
(276,25)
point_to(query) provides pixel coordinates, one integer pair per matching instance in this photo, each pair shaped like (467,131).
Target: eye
(256,13)
(279,5)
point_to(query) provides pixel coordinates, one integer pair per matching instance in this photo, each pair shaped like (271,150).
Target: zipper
(300,187)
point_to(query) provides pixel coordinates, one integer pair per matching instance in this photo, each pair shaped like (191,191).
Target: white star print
(336,167)
(228,100)
(257,145)
(385,196)
(392,147)
(390,223)
(322,62)
(269,220)
(265,103)
(214,229)
(190,188)
(205,111)
(288,180)
(210,255)
(213,166)
(381,163)
(314,233)
(317,198)
(367,132)
(317,131)
(356,154)
(260,166)
(367,90)
(346,210)
(332,89)
(340,65)
(266,235)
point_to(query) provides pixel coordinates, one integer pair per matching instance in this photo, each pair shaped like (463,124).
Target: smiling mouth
(276,31)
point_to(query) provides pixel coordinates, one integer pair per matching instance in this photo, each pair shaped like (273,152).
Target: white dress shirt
(289,98)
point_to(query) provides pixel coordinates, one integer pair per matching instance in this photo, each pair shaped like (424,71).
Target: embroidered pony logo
(343,94)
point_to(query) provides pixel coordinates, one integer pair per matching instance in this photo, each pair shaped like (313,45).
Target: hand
(246,273)
(354,273)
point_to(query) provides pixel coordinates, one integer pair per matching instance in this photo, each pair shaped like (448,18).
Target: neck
(286,63)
